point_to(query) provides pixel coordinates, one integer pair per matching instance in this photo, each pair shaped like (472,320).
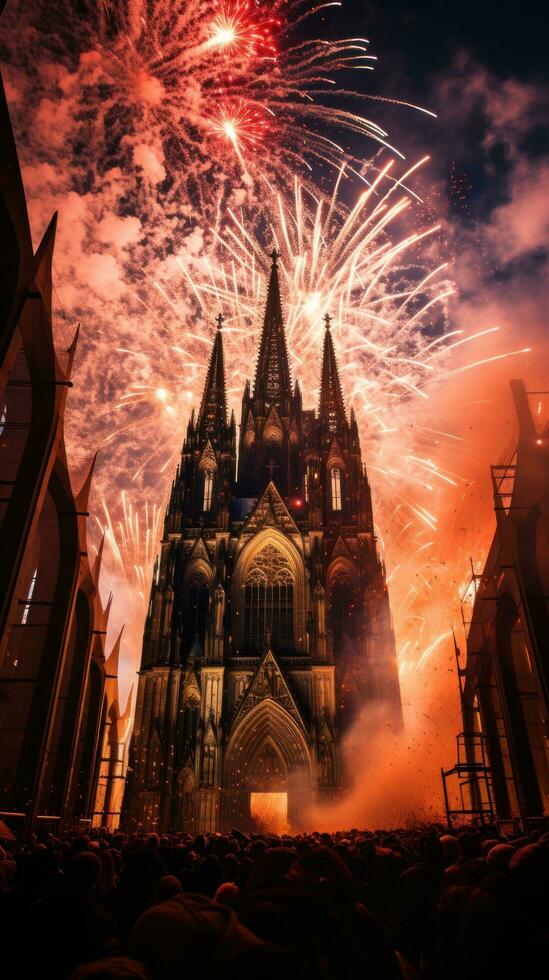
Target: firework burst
(219,91)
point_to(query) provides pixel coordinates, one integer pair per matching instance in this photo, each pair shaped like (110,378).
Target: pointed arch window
(269,602)
(335,484)
(208,491)
(208,765)
(197,607)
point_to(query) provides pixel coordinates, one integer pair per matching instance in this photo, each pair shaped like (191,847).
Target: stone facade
(268,627)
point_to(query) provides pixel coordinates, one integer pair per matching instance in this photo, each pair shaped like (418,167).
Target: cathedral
(268,630)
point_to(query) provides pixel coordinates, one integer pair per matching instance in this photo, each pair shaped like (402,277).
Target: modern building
(269,628)
(54,691)
(504,764)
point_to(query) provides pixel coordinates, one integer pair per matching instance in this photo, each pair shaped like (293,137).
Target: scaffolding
(469,782)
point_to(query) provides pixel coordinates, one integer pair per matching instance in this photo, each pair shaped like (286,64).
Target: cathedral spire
(272,379)
(332,407)
(213,408)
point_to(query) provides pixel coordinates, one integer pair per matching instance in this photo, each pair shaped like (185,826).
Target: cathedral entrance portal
(268,771)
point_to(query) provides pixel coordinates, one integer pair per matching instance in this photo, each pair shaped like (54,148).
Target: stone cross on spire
(220,319)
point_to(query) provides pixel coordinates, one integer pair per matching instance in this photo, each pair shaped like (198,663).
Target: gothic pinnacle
(213,407)
(272,376)
(332,406)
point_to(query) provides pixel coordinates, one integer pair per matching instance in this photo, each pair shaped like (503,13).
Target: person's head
(498,857)
(324,868)
(228,894)
(201,844)
(270,868)
(469,845)
(430,850)
(40,864)
(83,871)
(188,935)
(529,871)
(112,968)
(167,887)
(450,848)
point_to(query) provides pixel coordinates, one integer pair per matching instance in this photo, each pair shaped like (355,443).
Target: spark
(132,542)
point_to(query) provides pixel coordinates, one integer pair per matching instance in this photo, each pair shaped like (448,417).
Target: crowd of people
(397,905)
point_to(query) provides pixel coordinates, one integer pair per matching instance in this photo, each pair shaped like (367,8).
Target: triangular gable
(341,549)
(273,430)
(207,459)
(268,684)
(199,550)
(325,732)
(270,511)
(335,457)
(249,430)
(191,686)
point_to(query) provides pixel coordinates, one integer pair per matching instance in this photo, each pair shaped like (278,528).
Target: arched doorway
(268,786)
(267,770)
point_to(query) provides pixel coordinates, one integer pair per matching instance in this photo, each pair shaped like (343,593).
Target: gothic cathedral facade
(269,628)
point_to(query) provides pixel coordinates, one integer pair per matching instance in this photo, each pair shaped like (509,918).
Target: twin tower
(269,630)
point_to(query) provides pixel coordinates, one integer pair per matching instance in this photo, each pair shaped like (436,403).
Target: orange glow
(270,811)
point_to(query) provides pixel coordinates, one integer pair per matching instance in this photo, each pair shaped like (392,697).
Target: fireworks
(199,84)
(243,28)
(390,324)
(132,543)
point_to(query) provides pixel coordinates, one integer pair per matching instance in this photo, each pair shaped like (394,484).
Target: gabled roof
(335,456)
(341,549)
(270,511)
(268,684)
(207,459)
(273,426)
(200,550)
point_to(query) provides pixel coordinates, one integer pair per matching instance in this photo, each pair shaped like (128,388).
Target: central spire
(272,379)
(213,408)
(332,406)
